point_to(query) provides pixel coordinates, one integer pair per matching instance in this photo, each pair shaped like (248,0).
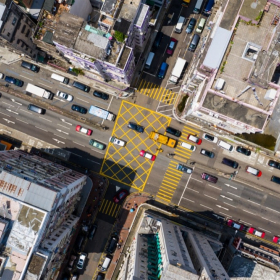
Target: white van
(179,25)
(200,25)
(106,263)
(225,145)
(60,78)
(149,60)
(188,146)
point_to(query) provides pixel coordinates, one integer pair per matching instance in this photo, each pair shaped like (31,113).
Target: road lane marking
(243,222)
(9,110)
(265,230)
(76,154)
(8,104)
(45,119)
(16,102)
(41,128)
(22,121)
(268,220)
(222,207)
(78,144)
(82,99)
(229,204)
(63,120)
(234,194)
(187,199)
(25,112)
(59,136)
(26,78)
(59,130)
(193,190)
(272,210)
(249,212)
(8,121)
(210,196)
(63,126)
(44,85)
(228,185)
(214,187)
(253,202)
(223,196)
(197,180)
(94,161)
(98,151)
(206,207)
(225,214)
(5,114)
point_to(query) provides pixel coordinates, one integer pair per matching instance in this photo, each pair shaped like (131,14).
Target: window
(8,34)
(14,21)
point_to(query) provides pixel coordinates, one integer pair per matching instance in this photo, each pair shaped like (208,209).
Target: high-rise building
(164,250)
(37,201)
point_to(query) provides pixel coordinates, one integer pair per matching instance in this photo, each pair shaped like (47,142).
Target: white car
(81,261)
(64,95)
(2,76)
(210,138)
(117,141)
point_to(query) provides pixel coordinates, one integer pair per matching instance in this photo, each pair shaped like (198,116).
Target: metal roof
(217,48)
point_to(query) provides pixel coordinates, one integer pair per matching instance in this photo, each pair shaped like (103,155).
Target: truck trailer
(177,70)
(101,113)
(39,91)
(163,139)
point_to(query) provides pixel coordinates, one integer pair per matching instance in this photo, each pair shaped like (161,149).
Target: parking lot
(124,164)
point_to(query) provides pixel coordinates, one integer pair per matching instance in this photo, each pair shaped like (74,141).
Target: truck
(163,139)
(101,113)
(177,70)
(208,7)
(39,91)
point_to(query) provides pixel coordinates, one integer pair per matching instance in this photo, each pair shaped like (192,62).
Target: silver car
(64,95)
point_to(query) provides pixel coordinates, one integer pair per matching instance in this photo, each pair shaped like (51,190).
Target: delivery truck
(38,91)
(177,70)
(101,113)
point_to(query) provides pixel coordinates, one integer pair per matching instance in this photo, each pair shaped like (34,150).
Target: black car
(14,81)
(274,164)
(136,127)
(230,163)
(191,25)
(173,131)
(101,95)
(92,232)
(243,151)
(207,153)
(79,109)
(158,40)
(30,66)
(112,244)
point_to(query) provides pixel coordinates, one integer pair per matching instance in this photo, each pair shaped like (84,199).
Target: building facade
(38,198)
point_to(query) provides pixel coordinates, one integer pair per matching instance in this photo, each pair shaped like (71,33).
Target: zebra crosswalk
(173,176)
(109,208)
(156,92)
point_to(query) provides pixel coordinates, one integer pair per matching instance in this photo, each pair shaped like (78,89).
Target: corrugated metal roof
(217,48)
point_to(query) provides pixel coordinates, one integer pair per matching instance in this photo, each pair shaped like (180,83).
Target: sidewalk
(122,227)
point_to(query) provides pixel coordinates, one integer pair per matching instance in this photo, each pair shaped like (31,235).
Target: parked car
(235,225)
(147,155)
(191,25)
(194,139)
(79,109)
(243,151)
(209,178)
(256,232)
(274,164)
(83,130)
(184,168)
(14,81)
(136,127)
(71,262)
(64,95)
(229,162)
(81,261)
(171,46)
(276,239)
(253,171)
(207,153)
(101,95)
(173,131)
(120,195)
(30,66)
(92,232)
(2,76)
(210,138)
(117,141)
(97,144)
(112,244)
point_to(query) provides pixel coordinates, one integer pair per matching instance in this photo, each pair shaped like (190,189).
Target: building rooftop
(124,56)
(129,10)
(251,10)
(142,12)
